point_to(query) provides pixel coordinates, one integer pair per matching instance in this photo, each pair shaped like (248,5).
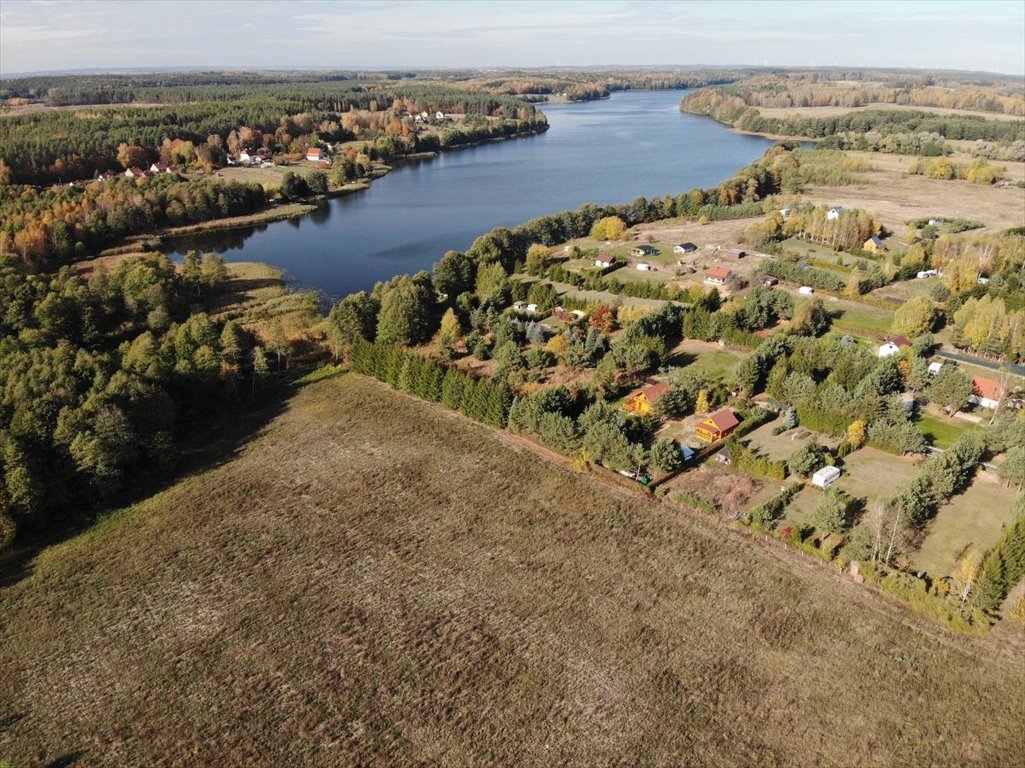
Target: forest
(101,378)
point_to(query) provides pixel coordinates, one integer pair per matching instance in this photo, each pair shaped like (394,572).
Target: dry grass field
(372,581)
(834,111)
(898,197)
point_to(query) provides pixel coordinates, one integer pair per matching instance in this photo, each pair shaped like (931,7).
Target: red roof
(987,388)
(313,153)
(723,420)
(718,273)
(900,341)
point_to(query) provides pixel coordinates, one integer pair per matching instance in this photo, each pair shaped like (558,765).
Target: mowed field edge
(374,581)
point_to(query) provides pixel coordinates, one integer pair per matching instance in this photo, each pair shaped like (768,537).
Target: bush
(764,517)
(746,460)
(696,502)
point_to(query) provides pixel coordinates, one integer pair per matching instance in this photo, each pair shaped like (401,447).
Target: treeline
(731,109)
(100,378)
(983,325)
(1004,563)
(68,144)
(47,226)
(479,399)
(819,90)
(117,88)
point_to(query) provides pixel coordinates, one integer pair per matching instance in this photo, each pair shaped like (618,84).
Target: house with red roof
(717,275)
(315,155)
(986,392)
(717,426)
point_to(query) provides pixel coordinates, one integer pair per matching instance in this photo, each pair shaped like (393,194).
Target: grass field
(897,197)
(833,111)
(336,593)
(705,358)
(872,474)
(942,432)
(780,447)
(859,319)
(972,520)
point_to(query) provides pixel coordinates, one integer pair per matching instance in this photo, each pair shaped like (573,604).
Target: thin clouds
(95,34)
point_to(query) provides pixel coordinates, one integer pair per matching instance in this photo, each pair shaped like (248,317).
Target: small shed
(825,477)
(645,250)
(685,248)
(874,245)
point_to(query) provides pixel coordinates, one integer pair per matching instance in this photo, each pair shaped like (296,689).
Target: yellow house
(874,245)
(717,426)
(642,401)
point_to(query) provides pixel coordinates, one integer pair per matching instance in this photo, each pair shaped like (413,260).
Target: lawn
(971,520)
(799,511)
(872,474)
(781,446)
(942,432)
(336,593)
(859,319)
(706,359)
(630,274)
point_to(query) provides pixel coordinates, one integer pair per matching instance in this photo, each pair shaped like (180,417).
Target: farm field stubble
(372,581)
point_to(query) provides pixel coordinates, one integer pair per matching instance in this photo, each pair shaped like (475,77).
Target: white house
(983,281)
(889,349)
(245,157)
(834,213)
(825,477)
(685,248)
(784,212)
(644,250)
(602,263)
(642,267)
(926,273)
(806,290)
(531,309)
(934,368)
(439,115)
(315,154)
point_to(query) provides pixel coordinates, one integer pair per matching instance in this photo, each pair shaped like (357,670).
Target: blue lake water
(635,143)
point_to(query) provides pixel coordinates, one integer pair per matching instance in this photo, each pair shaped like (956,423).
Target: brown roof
(717,272)
(723,420)
(900,341)
(987,388)
(653,391)
(313,152)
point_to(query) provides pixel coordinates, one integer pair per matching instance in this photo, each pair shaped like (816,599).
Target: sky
(52,35)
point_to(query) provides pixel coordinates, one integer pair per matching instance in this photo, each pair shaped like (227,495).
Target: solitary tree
(608,228)
(951,389)
(915,317)
(665,455)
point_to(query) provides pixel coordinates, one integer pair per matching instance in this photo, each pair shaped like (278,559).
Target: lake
(611,151)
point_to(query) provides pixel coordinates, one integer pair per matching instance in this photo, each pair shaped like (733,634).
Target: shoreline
(148,241)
